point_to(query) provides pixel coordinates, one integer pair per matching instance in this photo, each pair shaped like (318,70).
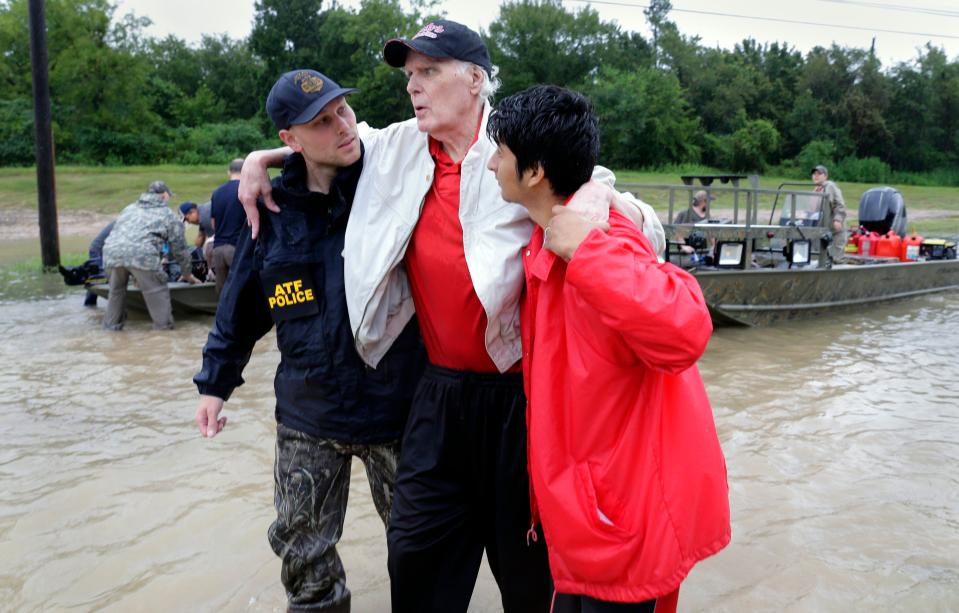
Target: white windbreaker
(397,174)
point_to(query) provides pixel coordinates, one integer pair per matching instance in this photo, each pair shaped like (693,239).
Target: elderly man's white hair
(490,82)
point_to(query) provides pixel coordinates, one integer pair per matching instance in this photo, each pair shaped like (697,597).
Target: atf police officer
(329,405)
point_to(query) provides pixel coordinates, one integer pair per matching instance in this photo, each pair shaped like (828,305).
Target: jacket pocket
(605,509)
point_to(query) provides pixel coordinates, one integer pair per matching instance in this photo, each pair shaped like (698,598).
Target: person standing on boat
(833,209)
(228,223)
(696,213)
(135,248)
(330,406)
(628,477)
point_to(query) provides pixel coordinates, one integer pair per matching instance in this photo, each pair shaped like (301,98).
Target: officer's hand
(567,229)
(255,183)
(206,416)
(190,279)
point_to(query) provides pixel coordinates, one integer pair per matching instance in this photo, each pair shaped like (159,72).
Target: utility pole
(43,138)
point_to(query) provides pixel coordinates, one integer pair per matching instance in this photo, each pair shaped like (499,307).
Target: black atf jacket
(291,276)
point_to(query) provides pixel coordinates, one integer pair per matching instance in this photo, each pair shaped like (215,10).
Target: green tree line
(121,97)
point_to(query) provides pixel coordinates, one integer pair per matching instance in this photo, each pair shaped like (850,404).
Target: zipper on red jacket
(531,536)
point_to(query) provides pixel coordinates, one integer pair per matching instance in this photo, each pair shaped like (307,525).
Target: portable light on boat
(730,254)
(799,252)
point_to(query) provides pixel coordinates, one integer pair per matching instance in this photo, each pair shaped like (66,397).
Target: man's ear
(289,139)
(534,176)
(476,79)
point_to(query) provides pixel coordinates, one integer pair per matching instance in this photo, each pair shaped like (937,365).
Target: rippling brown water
(842,441)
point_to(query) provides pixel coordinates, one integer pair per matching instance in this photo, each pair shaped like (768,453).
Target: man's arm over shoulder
(642,214)
(658,308)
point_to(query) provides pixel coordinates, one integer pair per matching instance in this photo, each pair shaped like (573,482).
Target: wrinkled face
(503,165)
(442,92)
(329,139)
(819,177)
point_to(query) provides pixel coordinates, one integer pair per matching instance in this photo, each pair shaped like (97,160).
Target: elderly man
(135,247)
(430,233)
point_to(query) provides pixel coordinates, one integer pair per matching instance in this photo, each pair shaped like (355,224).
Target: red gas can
(909,251)
(852,246)
(867,243)
(889,245)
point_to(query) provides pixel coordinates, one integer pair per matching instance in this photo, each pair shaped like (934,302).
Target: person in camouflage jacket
(135,247)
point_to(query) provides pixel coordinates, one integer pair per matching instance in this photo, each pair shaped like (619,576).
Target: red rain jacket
(627,474)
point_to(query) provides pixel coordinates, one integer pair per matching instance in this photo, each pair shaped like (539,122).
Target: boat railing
(742,213)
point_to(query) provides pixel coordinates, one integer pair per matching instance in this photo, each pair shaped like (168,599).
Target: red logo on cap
(430,30)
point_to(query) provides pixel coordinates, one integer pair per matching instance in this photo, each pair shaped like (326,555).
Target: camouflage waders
(312,481)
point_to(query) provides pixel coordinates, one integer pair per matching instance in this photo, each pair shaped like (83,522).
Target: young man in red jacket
(628,477)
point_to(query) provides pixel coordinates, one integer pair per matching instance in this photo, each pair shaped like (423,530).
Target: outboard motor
(882,209)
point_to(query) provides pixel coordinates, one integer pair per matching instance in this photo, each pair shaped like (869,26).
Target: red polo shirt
(451,316)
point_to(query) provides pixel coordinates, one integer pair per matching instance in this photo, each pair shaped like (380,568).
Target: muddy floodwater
(841,437)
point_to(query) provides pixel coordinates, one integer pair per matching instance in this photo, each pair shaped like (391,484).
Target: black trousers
(568,603)
(462,487)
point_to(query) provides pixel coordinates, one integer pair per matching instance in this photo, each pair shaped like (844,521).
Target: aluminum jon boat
(756,272)
(186,299)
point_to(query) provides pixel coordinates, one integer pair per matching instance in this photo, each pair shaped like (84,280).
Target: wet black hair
(552,127)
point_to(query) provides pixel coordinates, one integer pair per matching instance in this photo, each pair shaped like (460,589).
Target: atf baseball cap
(299,95)
(159,187)
(440,39)
(186,207)
(820,168)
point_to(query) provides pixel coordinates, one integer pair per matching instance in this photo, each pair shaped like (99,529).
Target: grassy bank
(109,189)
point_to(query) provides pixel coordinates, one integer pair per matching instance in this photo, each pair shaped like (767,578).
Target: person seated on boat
(95,256)
(697,211)
(191,214)
(834,209)
(202,244)
(626,468)
(135,248)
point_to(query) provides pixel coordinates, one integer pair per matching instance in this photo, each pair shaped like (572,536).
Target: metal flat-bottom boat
(185,298)
(764,296)
(772,257)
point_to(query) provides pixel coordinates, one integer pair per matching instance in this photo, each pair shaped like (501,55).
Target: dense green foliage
(120,97)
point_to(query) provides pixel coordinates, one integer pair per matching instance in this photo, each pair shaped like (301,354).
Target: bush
(753,146)
(214,143)
(16,133)
(862,170)
(814,153)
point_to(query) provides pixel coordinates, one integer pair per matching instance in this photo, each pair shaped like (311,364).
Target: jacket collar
(542,259)
(292,187)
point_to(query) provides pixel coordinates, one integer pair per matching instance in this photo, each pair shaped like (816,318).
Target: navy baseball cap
(186,207)
(443,39)
(299,95)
